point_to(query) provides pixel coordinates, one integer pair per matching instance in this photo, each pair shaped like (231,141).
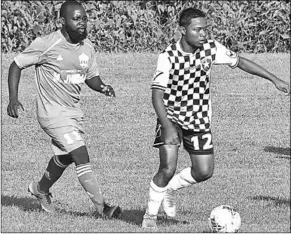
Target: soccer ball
(224,219)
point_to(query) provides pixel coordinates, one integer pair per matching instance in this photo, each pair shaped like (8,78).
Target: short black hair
(188,14)
(65,5)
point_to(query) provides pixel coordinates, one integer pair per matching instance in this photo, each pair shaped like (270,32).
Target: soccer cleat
(169,203)
(111,211)
(43,198)
(149,221)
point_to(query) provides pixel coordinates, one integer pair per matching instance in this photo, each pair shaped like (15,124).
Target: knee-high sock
(181,180)
(53,172)
(156,196)
(90,184)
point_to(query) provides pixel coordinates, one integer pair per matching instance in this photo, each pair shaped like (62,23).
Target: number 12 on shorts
(206,144)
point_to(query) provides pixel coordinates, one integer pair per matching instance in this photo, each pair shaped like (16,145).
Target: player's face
(195,33)
(76,23)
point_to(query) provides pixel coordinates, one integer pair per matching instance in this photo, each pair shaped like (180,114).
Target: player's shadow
(24,203)
(133,217)
(30,204)
(281,152)
(130,216)
(277,201)
(136,216)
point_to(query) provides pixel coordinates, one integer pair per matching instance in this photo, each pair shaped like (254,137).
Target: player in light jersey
(181,99)
(64,60)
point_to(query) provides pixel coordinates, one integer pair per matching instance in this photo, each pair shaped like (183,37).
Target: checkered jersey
(186,95)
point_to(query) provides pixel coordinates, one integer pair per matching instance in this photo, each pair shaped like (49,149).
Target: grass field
(251,131)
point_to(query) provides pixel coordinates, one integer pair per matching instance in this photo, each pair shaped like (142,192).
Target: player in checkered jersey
(64,61)
(181,99)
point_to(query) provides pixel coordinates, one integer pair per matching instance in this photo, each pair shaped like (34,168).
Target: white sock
(156,196)
(181,180)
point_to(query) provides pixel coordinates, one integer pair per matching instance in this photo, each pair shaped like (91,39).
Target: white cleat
(169,203)
(149,221)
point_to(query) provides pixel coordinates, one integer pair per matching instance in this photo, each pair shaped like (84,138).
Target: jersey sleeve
(225,56)
(93,69)
(161,76)
(31,55)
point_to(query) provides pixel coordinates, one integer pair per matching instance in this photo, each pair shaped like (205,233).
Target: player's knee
(202,175)
(168,173)
(80,155)
(65,159)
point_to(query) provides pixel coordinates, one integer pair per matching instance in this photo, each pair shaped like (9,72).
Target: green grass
(251,132)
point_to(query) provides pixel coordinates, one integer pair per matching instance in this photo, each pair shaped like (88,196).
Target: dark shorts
(194,142)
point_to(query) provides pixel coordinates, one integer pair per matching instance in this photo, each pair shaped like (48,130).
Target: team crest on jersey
(206,64)
(60,58)
(84,60)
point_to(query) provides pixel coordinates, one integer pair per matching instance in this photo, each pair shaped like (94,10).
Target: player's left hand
(108,90)
(283,86)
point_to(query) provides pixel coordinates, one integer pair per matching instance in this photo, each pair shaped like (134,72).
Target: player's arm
(13,84)
(159,84)
(30,56)
(159,107)
(97,84)
(254,69)
(93,79)
(170,132)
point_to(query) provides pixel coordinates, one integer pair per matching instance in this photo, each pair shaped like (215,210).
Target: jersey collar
(178,45)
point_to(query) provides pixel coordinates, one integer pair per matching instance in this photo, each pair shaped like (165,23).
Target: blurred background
(149,26)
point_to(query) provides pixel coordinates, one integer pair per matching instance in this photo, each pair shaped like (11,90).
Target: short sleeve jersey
(185,80)
(61,69)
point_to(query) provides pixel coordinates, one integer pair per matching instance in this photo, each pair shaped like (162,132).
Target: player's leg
(168,163)
(202,167)
(201,170)
(54,171)
(87,178)
(67,140)
(158,186)
(200,149)
(55,168)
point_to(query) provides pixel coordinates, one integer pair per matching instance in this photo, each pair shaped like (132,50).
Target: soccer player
(64,60)
(181,99)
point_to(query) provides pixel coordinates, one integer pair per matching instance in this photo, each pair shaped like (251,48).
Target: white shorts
(67,138)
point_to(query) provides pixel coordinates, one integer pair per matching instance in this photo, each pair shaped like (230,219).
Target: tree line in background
(149,26)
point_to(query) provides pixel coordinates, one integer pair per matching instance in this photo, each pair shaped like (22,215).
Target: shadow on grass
(135,217)
(276,200)
(132,216)
(31,204)
(24,203)
(278,150)
(129,216)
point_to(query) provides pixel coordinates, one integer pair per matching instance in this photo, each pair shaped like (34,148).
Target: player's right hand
(283,86)
(171,135)
(12,108)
